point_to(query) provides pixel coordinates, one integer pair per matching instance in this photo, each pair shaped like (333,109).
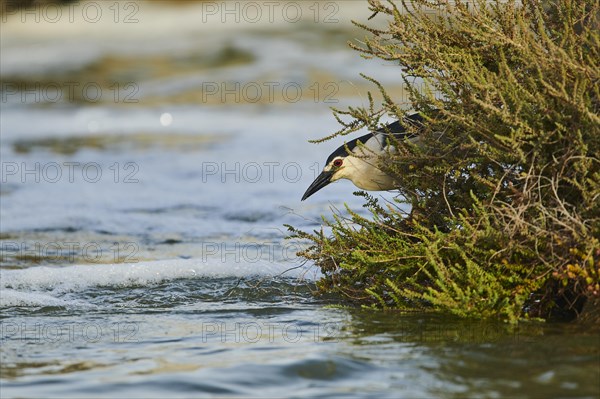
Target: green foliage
(504,185)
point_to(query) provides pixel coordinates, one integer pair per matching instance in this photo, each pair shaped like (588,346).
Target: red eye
(337,163)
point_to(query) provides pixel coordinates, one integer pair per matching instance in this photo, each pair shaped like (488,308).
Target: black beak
(321,181)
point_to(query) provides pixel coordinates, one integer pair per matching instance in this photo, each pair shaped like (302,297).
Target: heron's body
(357,160)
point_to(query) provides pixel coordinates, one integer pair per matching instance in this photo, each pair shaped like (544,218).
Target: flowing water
(147,172)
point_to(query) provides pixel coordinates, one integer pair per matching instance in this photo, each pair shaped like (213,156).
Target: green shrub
(505,195)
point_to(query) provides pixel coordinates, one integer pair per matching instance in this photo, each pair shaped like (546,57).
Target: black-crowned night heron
(357,160)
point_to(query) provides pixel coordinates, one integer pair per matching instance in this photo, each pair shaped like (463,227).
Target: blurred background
(172,122)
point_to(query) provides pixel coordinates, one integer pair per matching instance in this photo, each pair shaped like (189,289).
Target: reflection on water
(126,142)
(487,359)
(147,172)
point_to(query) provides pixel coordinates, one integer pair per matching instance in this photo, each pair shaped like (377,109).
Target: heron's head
(334,170)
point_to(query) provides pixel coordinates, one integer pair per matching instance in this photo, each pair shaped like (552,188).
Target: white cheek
(345,172)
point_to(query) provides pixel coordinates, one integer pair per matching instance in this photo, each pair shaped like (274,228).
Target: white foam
(44,285)
(9,298)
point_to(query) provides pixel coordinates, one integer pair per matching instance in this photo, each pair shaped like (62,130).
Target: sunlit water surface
(155,264)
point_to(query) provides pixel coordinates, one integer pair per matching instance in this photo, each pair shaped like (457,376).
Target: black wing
(397,128)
